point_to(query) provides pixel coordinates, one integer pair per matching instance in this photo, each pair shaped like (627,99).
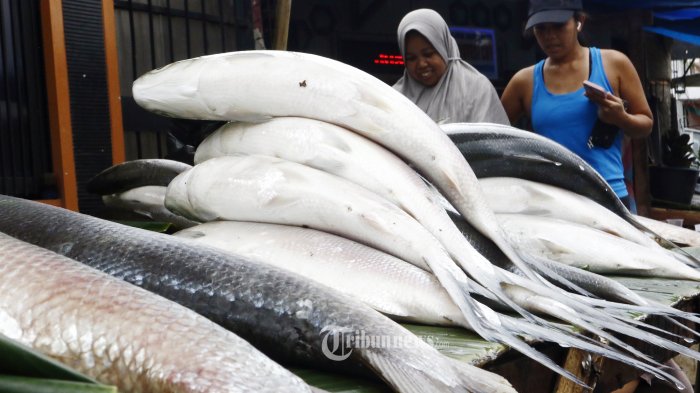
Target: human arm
(517,96)
(637,120)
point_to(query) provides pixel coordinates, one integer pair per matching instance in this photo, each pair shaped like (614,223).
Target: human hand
(611,109)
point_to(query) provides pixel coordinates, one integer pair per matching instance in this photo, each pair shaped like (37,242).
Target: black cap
(551,11)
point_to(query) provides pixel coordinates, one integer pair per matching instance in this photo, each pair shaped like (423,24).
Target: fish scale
(282,314)
(121,334)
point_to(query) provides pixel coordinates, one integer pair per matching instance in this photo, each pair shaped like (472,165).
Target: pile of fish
(287,317)
(315,195)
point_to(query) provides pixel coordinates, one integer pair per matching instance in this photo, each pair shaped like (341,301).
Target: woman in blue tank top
(551,92)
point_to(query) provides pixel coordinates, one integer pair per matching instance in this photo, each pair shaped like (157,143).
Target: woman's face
(423,62)
(556,39)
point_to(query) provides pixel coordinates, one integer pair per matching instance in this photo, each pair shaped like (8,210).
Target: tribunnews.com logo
(337,344)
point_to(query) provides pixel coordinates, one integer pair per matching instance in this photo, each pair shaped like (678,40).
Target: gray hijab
(463,94)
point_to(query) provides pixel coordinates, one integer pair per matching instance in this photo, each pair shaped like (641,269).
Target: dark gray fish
(501,151)
(289,318)
(135,173)
(495,150)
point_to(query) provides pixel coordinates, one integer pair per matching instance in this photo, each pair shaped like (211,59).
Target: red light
(388,59)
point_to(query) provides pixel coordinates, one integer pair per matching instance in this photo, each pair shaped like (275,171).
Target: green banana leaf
(20,360)
(10,384)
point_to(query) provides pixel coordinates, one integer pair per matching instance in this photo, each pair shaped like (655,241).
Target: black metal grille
(24,134)
(153,33)
(89,101)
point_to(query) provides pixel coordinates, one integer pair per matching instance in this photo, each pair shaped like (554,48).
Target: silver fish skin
(135,173)
(377,279)
(674,233)
(340,152)
(570,243)
(123,335)
(267,189)
(282,314)
(228,86)
(374,277)
(147,201)
(519,196)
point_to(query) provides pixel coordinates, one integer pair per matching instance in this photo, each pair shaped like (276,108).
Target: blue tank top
(568,119)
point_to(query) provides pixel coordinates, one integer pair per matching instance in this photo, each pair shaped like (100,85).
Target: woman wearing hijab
(436,79)
(552,94)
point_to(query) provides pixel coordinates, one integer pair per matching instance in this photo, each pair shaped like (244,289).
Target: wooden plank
(59,102)
(113,91)
(282,13)
(584,366)
(690,217)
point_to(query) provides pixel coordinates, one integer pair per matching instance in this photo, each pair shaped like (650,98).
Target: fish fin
(411,375)
(532,158)
(575,340)
(590,319)
(482,380)
(249,117)
(555,247)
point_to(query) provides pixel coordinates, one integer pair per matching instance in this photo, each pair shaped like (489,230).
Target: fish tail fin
(430,371)
(483,381)
(575,340)
(403,377)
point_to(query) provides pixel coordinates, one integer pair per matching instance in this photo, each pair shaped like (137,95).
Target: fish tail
(407,374)
(482,381)
(575,340)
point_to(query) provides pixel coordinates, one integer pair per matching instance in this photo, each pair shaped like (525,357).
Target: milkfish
(571,243)
(148,201)
(123,335)
(338,151)
(135,173)
(287,317)
(228,87)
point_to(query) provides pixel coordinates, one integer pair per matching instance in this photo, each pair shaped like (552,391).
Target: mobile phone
(594,89)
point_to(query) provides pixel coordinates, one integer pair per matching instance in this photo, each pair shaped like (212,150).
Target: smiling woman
(436,79)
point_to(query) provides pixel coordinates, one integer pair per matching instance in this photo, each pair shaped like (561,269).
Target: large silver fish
(135,173)
(389,285)
(340,152)
(267,189)
(519,196)
(123,335)
(571,243)
(674,233)
(228,86)
(287,317)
